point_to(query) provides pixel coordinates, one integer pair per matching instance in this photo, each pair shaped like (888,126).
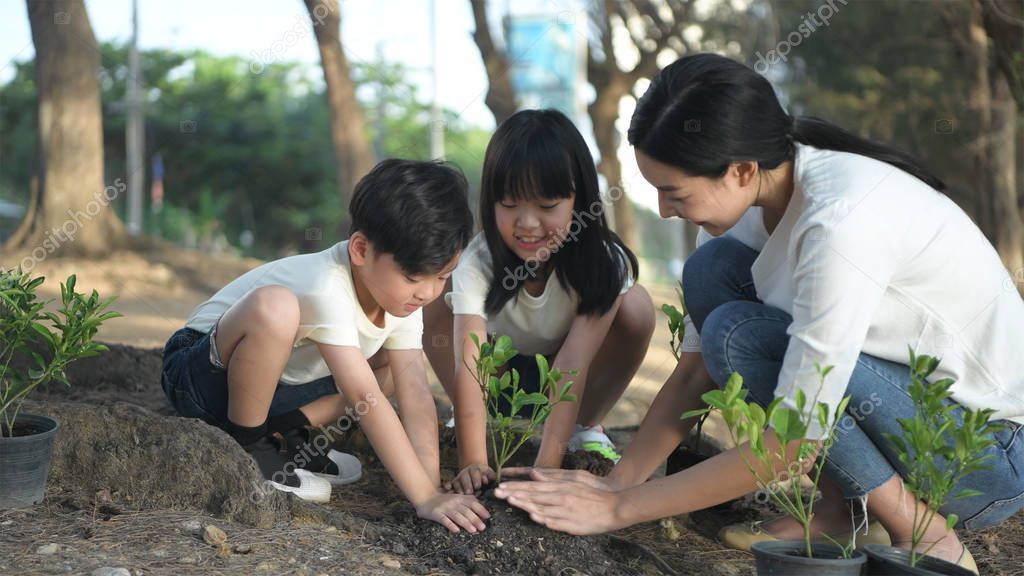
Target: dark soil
(126,476)
(512,543)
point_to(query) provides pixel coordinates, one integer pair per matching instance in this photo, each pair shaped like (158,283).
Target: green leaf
(535,398)
(694,413)
(788,425)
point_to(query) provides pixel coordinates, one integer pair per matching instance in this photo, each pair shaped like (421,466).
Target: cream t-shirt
(868,258)
(329,312)
(536,324)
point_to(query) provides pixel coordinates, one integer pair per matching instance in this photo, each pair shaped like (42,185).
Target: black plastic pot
(886,560)
(25,461)
(789,558)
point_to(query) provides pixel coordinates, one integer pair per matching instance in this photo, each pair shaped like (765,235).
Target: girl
(829,250)
(548,272)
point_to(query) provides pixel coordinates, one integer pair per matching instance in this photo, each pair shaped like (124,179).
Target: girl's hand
(471,479)
(555,474)
(455,511)
(571,507)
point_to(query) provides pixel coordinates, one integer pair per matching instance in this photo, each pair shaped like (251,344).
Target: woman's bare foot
(949,548)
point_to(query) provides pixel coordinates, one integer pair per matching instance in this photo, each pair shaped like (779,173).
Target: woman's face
(534,229)
(715,204)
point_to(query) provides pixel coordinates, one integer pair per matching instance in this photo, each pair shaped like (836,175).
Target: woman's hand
(572,507)
(602,483)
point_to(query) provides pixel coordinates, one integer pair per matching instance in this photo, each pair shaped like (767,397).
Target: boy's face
(397,292)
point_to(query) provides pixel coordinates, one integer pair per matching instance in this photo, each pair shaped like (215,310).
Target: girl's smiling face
(534,228)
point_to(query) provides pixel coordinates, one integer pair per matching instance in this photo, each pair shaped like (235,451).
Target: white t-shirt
(868,258)
(536,324)
(329,311)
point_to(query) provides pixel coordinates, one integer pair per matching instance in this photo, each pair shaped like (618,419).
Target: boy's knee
(274,307)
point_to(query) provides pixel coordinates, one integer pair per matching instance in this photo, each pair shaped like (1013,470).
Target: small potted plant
(511,429)
(950,450)
(748,421)
(35,348)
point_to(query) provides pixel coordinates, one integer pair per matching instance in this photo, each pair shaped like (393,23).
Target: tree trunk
(69,210)
(1004,23)
(501,98)
(1009,230)
(604,111)
(352,151)
(970,34)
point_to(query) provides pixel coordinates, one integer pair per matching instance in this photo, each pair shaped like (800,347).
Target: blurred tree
(937,90)
(68,208)
(348,128)
(629,40)
(246,154)
(1004,23)
(501,97)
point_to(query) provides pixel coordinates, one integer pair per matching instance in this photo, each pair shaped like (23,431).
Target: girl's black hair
(704,112)
(540,154)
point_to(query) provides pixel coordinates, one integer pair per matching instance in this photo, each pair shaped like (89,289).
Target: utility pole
(436,120)
(134,130)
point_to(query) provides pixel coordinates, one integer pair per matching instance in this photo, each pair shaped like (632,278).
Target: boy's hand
(471,479)
(455,511)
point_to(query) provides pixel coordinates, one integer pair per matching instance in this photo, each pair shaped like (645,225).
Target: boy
(304,340)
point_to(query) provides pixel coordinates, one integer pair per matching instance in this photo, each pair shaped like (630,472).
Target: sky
(280,30)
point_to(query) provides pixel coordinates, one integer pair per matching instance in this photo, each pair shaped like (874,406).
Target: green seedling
(748,421)
(510,431)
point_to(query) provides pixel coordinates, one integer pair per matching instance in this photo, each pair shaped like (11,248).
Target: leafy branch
(26,328)
(938,449)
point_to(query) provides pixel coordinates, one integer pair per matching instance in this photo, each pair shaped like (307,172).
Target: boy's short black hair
(417,211)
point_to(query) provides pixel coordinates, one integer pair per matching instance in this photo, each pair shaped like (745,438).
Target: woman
(827,249)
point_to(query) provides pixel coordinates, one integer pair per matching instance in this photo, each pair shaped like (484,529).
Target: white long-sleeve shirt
(868,258)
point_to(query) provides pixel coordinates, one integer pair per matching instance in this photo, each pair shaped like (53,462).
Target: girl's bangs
(536,170)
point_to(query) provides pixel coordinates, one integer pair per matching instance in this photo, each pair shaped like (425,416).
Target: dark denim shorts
(198,388)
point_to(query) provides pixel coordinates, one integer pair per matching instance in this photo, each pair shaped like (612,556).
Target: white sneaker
(593,439)
(349,469)
(311,487)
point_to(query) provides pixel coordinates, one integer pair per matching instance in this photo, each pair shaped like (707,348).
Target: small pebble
(213,535)
(48,549)
(192,526)
(243,548)
(400,549)
(6,522)
(392,564)
(108,571)
(331,529)
(223,550)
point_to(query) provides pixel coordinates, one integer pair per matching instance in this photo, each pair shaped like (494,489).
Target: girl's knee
(636,318)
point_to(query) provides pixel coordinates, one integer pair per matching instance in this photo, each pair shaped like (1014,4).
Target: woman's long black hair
(704,112)
(539,154)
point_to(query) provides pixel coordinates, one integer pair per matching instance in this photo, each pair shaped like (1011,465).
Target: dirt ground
(134,488)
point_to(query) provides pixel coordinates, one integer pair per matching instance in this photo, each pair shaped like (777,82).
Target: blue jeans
(198,388)
(741,334)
